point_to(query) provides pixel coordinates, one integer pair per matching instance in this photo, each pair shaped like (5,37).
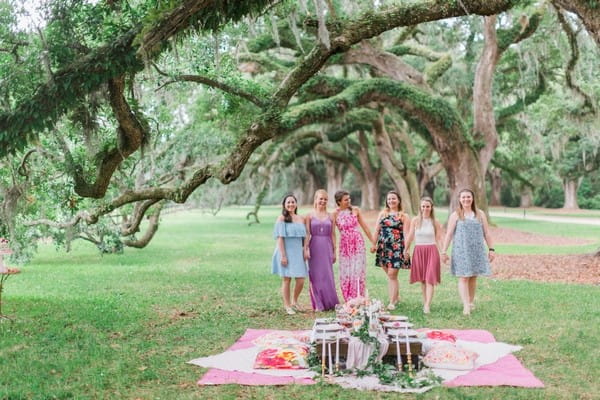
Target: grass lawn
(123,326)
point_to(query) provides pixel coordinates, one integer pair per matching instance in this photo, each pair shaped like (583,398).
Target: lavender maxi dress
(322,285)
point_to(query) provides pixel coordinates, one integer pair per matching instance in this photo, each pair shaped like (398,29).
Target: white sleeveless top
(425,234)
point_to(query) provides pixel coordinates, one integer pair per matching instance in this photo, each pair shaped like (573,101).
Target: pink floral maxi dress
(352,260)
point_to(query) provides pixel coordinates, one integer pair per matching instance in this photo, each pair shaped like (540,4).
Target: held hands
(306,253)
(445,258)
(491,255)
(373,248)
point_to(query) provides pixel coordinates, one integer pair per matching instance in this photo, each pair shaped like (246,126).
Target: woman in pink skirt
(427,234)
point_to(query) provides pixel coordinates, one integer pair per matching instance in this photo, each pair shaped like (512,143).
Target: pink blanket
(507,371)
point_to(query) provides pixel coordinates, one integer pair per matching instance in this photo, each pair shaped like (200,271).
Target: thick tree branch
(236,91)
(588,11)
(153,222)
(572,37)
(131,134)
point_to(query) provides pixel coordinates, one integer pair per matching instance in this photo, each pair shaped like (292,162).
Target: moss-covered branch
(434,112)
(522,103)
(588,104)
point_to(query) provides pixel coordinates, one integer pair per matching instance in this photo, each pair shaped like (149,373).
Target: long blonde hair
(460,211)
(317,193)
(431,215)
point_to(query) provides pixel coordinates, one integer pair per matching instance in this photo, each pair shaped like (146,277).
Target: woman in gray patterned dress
(469,228)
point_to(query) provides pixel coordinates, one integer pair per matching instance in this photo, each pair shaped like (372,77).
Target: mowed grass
(87,326)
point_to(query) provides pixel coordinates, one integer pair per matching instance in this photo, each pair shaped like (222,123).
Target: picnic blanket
(495,366)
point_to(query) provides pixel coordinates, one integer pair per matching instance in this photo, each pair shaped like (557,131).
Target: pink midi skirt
(425,264)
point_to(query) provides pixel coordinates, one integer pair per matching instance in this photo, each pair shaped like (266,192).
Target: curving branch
(588,103)
(520,104)
(236,91)
(588,11)
(129,227)
(131,135)
(385,64)
(153,222)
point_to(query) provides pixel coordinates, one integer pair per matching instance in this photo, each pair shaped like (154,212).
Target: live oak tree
(73,97)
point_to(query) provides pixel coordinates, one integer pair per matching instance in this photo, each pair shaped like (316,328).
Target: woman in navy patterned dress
(469,228)
(391,226)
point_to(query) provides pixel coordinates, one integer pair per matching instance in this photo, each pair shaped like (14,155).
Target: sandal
(290,311)
(298,308)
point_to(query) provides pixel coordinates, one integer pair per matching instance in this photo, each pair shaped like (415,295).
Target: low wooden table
(415,345)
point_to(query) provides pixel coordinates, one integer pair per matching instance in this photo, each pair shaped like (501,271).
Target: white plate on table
(397,324)
(401,333)
(397,318)
(328,328)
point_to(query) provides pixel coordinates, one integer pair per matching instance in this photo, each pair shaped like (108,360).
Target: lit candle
(407,344)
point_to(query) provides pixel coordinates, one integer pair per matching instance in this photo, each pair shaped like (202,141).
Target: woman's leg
(472,287)
(285,291)
(297,290)
(428,297)
(392,274)
(463,291)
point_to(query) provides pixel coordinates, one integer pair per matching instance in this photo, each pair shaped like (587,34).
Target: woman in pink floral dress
(352,259)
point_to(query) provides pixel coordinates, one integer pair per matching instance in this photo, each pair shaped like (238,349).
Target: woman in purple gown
(320,246)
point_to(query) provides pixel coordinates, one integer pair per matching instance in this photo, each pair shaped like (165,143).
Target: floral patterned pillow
(441,335)
(285,356)
(449,356)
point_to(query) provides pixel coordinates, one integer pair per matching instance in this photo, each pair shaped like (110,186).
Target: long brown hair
(287,217)
(339,195)
(431,215)
(387,206)
(460,211)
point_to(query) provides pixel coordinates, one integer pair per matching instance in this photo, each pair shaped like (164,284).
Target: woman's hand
(491,255)
(373,248)
(284,261)
(445,258)
(306,253)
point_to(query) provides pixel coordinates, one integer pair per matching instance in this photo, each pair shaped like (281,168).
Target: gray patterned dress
(469,256)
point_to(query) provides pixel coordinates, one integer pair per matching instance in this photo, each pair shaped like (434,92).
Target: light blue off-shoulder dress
(292,233)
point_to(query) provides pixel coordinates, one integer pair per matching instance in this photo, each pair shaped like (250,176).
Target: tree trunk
(526,197)
(426,175)
(335,177)
(394,168)
(570,186)
(463,170)
(496,179)
(371,176)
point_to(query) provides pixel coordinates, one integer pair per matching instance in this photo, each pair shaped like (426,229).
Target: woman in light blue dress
(289,258)
(469,227)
